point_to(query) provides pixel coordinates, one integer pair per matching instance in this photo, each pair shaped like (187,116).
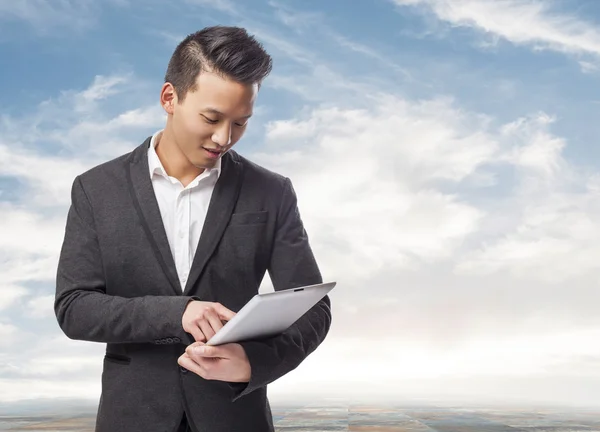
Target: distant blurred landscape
(331,415)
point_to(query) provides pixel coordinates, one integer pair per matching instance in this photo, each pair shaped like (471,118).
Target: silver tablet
(270,313)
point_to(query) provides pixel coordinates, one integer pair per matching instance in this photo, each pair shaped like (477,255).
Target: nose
(222,135)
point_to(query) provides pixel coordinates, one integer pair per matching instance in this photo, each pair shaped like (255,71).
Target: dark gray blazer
(117,284)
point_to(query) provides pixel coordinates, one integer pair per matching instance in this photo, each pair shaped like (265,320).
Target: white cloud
(414,141)
(19,238)
(36,171)
(10,294)
(393,367)
(60,365)
(14,389)
(521,22)
(393,198)
(53,365)
(555,240)
(41,307)
(21,267)
(106,139)
(366,180)
(400,358)
(555,208)
(541,151)
(53,355)
(8,334)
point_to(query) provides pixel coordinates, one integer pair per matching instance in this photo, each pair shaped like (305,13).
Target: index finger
(223,312)
(212,317)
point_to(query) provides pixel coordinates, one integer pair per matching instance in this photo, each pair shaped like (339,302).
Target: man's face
(213,117)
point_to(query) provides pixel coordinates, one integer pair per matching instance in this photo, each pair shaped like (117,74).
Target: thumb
(190,348)
(207,351)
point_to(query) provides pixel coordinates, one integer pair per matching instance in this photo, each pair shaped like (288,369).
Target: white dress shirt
(183,209)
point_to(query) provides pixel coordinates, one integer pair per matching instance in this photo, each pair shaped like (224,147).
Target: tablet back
(270,313)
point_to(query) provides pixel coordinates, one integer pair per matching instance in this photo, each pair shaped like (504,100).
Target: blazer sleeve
(83,309)
(292,265)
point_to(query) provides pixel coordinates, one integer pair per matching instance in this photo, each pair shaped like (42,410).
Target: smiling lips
(212,153)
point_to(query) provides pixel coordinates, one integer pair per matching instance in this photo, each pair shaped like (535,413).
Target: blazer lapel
(146,205)
(222,203)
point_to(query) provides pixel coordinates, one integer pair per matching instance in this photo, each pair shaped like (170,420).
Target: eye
(209,120)
(240,124)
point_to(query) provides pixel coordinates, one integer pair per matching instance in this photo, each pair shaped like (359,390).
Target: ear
(168,97)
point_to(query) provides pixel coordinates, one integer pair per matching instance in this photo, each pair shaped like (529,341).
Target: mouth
(212,153)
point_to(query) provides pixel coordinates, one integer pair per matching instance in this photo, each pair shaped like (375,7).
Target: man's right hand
(203,319)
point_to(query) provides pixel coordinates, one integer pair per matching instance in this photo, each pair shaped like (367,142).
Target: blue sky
(445,157)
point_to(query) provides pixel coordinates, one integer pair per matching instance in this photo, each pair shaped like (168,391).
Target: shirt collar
(155,166)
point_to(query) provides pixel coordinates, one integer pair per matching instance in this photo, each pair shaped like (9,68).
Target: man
(164,243)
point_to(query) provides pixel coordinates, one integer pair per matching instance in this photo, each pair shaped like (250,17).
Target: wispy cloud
(369,51)
(589,67)
(55,19)
(294,19)
(44,15)
(226,6)
(302,22)
(522,22)
(100,89)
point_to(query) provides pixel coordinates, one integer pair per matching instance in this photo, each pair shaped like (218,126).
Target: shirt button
(181,234)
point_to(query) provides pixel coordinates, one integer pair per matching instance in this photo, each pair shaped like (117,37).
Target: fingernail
(199,350)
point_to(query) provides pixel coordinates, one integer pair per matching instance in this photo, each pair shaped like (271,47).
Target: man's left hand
(226,362)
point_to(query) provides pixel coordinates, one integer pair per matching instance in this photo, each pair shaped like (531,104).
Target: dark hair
(228,51)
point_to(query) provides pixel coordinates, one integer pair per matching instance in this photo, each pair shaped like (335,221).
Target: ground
(370,418)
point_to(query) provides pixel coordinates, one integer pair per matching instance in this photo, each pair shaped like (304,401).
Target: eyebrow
(216,111)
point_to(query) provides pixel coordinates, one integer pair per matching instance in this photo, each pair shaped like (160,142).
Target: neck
(173,160)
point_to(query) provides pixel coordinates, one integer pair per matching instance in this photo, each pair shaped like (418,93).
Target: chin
(203,164)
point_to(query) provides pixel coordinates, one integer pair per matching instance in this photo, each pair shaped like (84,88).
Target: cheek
(237,134)
(192,125)
(200,129)
(188,123)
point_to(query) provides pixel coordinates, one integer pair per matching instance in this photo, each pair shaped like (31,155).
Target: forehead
(223,94)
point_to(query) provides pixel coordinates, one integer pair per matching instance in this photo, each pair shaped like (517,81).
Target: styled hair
(227,51)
